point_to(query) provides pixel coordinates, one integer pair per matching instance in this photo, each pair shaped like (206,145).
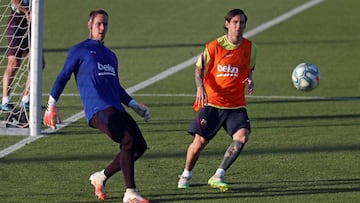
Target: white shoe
(98,180)
(134,197)
(184,182)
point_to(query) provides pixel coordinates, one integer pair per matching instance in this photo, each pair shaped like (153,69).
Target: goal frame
(36,64)
(36,56)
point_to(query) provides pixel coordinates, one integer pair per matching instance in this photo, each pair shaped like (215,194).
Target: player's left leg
(231,154)
(121,128)
(238,126)
(25,100)
(233,151)
(133,146)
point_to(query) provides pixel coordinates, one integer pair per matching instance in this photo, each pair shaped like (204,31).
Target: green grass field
(304,146)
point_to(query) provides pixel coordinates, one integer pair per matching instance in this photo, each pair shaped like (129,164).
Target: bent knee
(199,142)
(242,135)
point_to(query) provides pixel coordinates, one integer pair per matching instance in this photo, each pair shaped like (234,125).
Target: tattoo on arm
(199,75)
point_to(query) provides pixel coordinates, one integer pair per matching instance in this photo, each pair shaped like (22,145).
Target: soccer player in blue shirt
(96,73)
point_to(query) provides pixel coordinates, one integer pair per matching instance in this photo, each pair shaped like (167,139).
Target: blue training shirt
(95,68)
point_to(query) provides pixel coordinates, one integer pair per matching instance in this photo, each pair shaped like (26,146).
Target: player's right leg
(184,179)
(98,180)
(204,127)
(8,76)
(193,153)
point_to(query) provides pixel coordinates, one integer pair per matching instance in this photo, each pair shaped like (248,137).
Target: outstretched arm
(139,108)
(51,116)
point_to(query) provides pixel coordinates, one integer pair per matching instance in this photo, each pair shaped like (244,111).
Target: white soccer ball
(306,76)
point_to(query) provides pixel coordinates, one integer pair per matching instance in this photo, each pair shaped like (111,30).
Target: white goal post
(36,50)
(17,118)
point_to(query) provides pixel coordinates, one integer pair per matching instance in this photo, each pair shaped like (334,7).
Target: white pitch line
(282,17)
(74,117)
(262,97)
(164,74)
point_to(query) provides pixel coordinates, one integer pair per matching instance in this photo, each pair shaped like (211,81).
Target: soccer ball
(305,76)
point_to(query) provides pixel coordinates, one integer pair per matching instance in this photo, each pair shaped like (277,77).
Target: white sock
(133,193)
(25,99)
(131,190)
(5,100)
(186,173)
(220,172)
(103,172)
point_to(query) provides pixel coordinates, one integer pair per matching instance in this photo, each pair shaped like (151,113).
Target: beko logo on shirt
(105,69)
(227,71)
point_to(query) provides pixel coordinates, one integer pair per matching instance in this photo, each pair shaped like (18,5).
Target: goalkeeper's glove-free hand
(140,109)
(51,116)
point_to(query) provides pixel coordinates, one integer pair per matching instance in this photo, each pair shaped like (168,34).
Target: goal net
(15,116)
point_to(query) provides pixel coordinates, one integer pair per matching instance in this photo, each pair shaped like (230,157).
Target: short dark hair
(95,12)
(234,12)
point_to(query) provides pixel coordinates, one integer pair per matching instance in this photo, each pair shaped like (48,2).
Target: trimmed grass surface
(300,150)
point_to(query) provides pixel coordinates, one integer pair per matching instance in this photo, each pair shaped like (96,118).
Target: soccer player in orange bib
(223,71)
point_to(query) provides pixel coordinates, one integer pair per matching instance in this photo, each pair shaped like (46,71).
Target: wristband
(51,100)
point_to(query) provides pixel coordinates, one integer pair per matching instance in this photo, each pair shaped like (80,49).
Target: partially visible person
(222,73)
(18,32)
(95,68)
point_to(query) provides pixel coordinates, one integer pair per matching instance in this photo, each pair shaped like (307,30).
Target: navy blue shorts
(116,124)
(210,119)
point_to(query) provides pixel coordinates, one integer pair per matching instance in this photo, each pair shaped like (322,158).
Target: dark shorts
(210,119)
(115,124)
(17,35)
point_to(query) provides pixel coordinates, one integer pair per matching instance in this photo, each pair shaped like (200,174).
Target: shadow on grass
(303,100)
(100,156)
(262,189)
(264,101)
(125,47)
(312,121)
(330,41)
